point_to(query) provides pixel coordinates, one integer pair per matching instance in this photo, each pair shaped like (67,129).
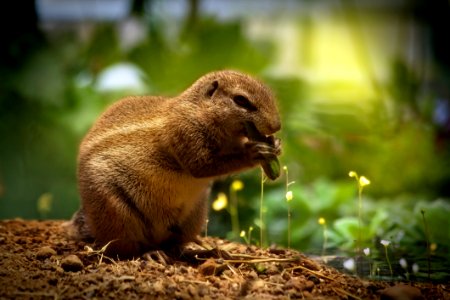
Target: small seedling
(362,182)
(250,229)
(206,227)
(366,252)
(323,222)
(247,239)
(404,264)
(386,243)
(427,237)
(289,197)
(235,186)
(261,211)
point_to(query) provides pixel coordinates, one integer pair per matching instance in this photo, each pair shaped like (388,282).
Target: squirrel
(146,166)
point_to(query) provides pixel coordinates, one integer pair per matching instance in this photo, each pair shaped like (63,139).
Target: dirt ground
(37,261)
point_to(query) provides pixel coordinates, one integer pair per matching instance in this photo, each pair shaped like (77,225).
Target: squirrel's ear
(212,88)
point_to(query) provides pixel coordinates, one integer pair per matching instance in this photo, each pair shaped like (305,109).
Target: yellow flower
(352,174)
(433,247)
(289,196)
(242,233)
(221,202)
(363,181)
(44,203)
(237,185)
(322,221)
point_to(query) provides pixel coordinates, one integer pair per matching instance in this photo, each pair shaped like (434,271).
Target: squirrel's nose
(275,126)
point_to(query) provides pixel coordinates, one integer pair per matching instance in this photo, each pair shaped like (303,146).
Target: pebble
(45,252)
(72,263)
(257,285)
(401,292)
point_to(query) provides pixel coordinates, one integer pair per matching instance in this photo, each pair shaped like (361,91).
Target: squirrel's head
(237,98)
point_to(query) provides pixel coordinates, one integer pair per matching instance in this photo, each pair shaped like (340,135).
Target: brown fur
(146,166)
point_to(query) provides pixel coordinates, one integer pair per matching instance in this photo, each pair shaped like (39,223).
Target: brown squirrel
(146,166)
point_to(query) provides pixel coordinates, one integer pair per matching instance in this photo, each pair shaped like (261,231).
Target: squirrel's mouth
(253,134)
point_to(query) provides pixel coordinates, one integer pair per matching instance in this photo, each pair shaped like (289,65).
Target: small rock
(45,252)
(72,263)
(207,268)
(257,284)
(314,279)
(277,251)
(210,267)
(401,292)
(294,283)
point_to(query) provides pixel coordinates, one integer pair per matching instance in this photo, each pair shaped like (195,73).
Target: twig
(196,282)
(312,272)
(253,260)
(261,260)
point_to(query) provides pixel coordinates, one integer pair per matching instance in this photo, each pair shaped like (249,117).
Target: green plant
(261,211)
(247,238)
(427,238)
(362,182)
(289,197)
(323,222)
(366,252)
(235,186)
(386,244)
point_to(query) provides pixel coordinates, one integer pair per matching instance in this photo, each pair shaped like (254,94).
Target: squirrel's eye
(242,101)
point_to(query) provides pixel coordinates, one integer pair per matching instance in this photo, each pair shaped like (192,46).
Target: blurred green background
(362,86)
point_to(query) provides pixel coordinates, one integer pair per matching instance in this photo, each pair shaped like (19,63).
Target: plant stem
(250,235)
(289,226)
(289,208)
(388,261)
(358,242)
(324,245)
(427,237)
(261,225)
(359,219)
(234,213)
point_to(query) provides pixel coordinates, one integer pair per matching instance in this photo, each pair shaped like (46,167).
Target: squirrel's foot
(77,228)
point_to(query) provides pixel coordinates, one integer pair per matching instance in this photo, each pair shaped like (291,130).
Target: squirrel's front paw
(275,143)
(259,151)
(265,153)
